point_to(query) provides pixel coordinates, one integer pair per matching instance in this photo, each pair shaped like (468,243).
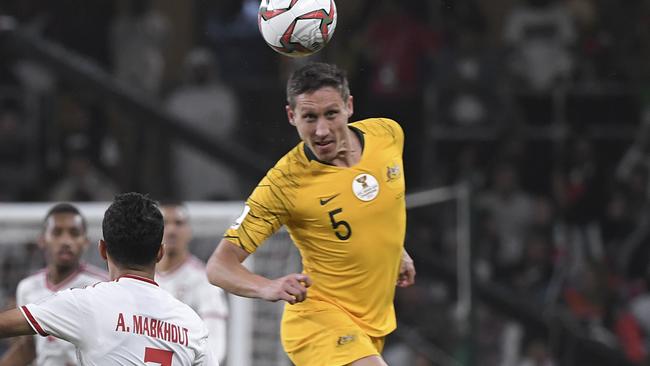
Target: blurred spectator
(76,145)
(209,106)
(463,77)
(589,299)
(512,210)
(537,354)
(631,336)
(138,37)
(540,34)
(400,46)
(17,165)
(533,274)
(230,28)
(617,224)
(579,192)
(82,181)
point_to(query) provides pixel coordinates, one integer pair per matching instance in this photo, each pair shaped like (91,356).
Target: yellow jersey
(347,222)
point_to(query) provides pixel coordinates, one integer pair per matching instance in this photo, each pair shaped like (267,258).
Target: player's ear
(290,115)
(101,247)
(161,253)
(350,106)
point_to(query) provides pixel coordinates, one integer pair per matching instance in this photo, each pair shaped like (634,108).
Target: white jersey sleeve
(51,351)
(58,315)
(207,356)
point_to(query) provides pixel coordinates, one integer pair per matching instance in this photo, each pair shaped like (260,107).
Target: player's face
(64,239)
(178,234)
(321,119)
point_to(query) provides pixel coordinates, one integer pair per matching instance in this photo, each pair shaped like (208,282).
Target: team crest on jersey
(393,173)
(365,187)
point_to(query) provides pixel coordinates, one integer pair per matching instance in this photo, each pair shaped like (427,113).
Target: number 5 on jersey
(341,228)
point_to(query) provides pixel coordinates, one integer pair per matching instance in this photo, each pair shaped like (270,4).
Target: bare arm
(21,353)
(13,323)
(226,271)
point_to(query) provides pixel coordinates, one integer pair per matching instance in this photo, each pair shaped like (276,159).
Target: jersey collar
(65,282)
(311,156)
(139,278)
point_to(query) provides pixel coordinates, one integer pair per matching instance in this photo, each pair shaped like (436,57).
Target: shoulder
(195,264)
(193,268)
(93,272)
(182,310)
(290,164)
(380,127)
(284,178)
(34,277)
(32,280)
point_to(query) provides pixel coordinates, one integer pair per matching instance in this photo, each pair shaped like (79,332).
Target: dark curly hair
(313,76)
(133,229)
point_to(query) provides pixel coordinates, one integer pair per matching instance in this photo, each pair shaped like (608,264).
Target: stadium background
(541,107)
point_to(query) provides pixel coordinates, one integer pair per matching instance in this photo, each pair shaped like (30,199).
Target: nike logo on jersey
(324,201)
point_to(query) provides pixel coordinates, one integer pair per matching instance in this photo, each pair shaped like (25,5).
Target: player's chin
(65,259)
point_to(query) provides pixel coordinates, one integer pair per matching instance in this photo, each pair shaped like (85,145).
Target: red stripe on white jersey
(30,318)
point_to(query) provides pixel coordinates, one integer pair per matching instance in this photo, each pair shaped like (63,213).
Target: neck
(350,153)
(171,261)
(116,271)
(56,275)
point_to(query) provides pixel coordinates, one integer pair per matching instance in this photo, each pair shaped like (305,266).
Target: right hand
(291,288)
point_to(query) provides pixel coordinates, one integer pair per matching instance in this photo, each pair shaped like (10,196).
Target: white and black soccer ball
(297,28)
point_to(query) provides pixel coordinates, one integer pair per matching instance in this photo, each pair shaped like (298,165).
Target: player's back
(130,321)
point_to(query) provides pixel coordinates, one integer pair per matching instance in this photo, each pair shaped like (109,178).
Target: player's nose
(322,128)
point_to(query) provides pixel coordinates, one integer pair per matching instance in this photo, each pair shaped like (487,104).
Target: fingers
(303,278)
(294,288)
(406,276)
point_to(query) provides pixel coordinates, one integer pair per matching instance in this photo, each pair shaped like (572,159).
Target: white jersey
(129,321)
(51,351)
(189,284)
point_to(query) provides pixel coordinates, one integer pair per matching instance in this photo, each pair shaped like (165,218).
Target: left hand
(406,271)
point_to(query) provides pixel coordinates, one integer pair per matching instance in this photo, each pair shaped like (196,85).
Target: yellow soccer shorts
(325,336)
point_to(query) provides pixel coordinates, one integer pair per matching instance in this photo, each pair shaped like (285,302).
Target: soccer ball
(297,28)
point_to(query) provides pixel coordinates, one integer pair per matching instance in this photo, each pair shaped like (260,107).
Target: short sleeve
(206,356)
(21,293)
(266,210)
(58,315)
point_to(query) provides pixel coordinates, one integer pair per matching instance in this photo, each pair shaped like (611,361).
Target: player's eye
(331,114)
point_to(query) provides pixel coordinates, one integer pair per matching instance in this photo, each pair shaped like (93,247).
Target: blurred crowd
(542,106)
